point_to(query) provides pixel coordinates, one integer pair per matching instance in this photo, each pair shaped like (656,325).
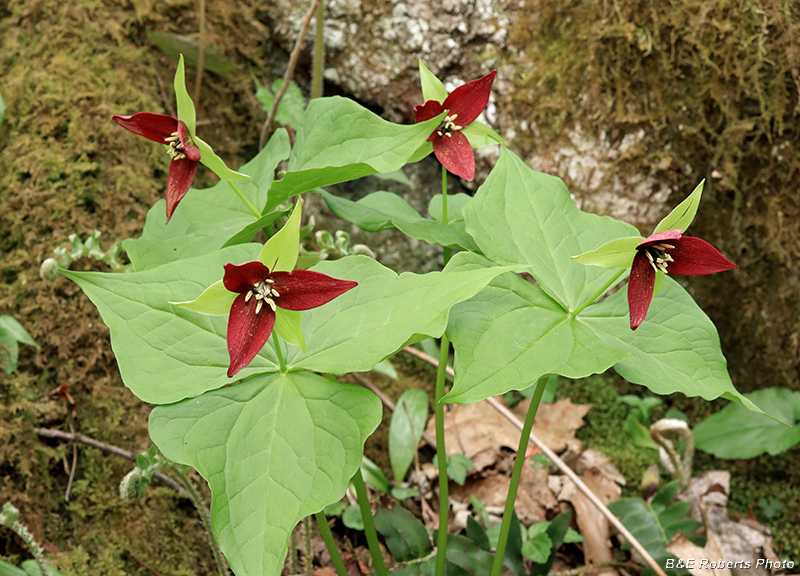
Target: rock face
(632,110)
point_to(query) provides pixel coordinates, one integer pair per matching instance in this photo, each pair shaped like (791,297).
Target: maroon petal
(181,174)
(696,257)
(188,147)
(455,154)
(426,111)
(303,289)
(469,100)
(243,277)
(247,331)
(668,236)
(155,127)
(640,288)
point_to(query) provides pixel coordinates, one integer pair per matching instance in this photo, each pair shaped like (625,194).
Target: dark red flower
(463,105)
(261,292)
(669,252)
(184,152)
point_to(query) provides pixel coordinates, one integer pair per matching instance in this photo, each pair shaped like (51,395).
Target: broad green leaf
(676,349)
(177,44)
(280,251)
(458,466)
(274,449)
(542,228)
(339,140)
(556,530)
(397,176)
(683,214)
(215,300)
(385,210)
(477,534)
(166,353)
(2,110)
(186,113)
(654,525)
(379,316)
(617,253)
(291,106)
(405,430)
(479,135)
(494,355)
(406,537)
(210,160)
(734,432)
(432,87)
(208,219)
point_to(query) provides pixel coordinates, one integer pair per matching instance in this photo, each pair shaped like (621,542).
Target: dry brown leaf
(693,555)
(534,497)
(742,541)
(592,525)
(479,431)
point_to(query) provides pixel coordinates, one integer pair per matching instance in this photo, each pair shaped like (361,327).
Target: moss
(713,87)
(66,168)
(769,477)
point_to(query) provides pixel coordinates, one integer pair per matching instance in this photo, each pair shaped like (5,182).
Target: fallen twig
(561,465)
(76,437)
(298,45)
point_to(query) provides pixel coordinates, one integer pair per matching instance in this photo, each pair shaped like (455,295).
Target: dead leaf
(534,497)
(478,431)
(742,541)
(693,556)
(592,525)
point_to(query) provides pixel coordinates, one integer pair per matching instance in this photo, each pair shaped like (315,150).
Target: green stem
(319,52)
(519,461)
(244,199)
(278,352)
(200,506)
(327,536)
(441,454)
(599,293)
(369,525)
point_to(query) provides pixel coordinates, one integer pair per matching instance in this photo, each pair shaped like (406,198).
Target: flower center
(658,257)
(448,125)
(175,149)
(264,292)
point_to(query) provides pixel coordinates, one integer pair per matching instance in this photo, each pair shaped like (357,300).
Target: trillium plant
(238,344)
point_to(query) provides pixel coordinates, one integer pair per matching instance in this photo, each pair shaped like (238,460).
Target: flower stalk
(330,544)
(516,475)
(369,525)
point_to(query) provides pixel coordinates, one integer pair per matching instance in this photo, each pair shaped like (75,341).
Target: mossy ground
(65,168)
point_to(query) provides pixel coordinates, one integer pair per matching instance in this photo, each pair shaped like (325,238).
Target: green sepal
(425,150)
(617,253)
(280,251)
(287,325)
(216,300)
(246,234)
(659,281)
(479,134)
(432,87)
(186,113)
(210,160)
(683,214)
